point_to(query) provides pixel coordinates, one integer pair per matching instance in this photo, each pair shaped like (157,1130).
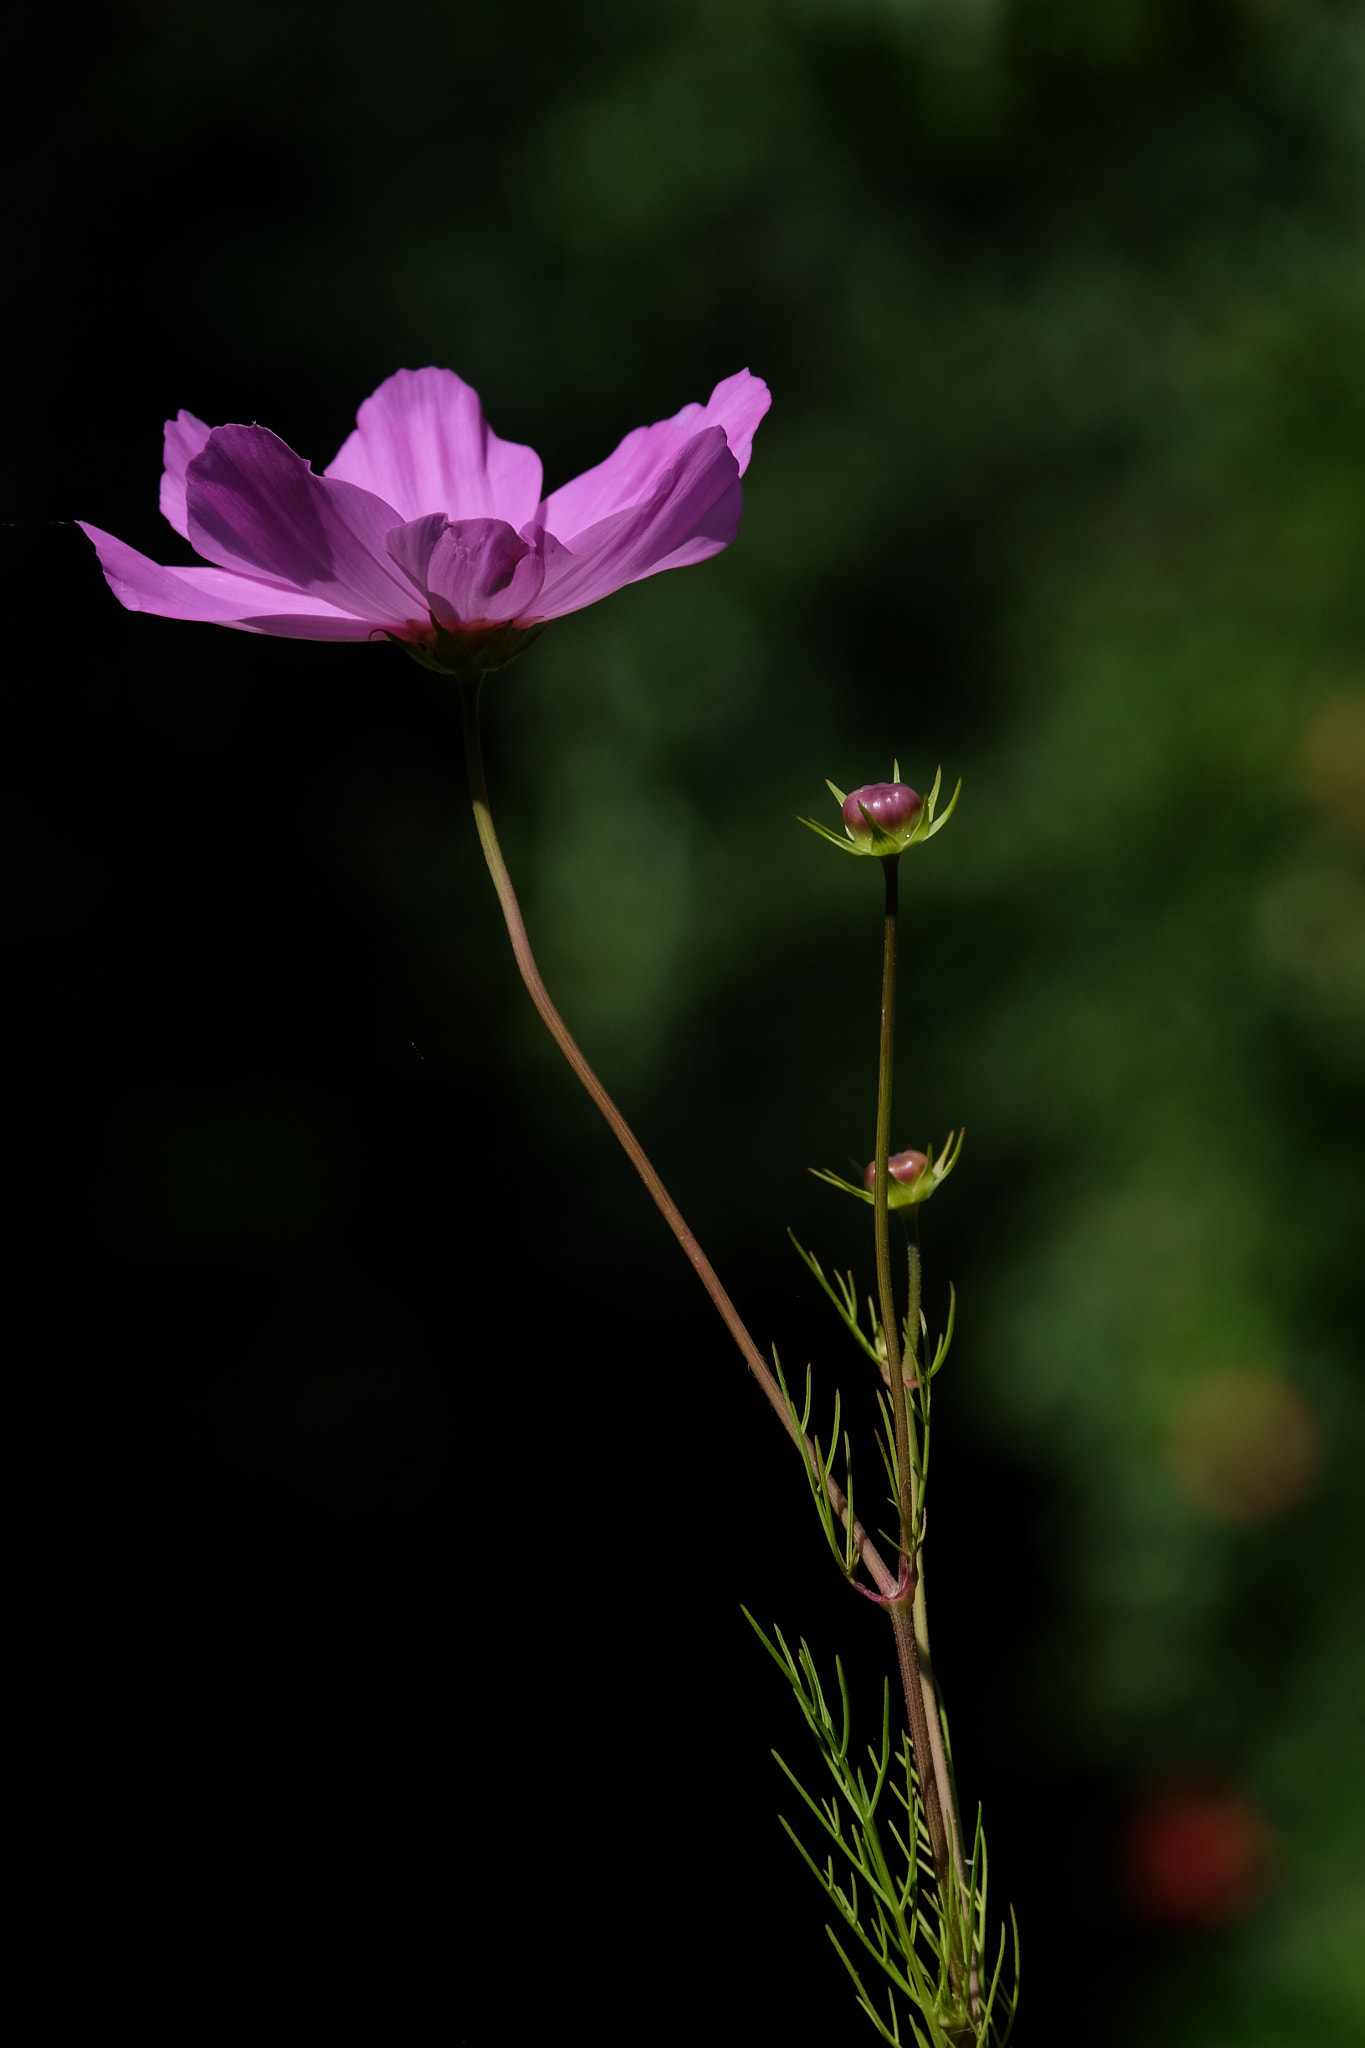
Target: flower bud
(911,1176)
(882,819)
(892,807)
(905,1167)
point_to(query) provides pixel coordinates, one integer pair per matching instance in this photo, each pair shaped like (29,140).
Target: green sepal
(844,845)
(884,844)
(468,650)
(927,824)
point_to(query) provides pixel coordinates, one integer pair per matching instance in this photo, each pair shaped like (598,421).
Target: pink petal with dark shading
(218,597)
(693,512)
(182,441)
(328,625)
(427,525)
(256,505)
(633,470)
(422,444)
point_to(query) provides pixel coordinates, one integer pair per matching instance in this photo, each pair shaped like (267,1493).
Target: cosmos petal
(256,505)
(631,473)
(422,444)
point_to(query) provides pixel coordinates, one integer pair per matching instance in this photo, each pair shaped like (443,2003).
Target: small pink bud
(893,806)
(906,1167)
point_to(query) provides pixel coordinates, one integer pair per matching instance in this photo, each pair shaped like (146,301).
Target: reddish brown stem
(521,947)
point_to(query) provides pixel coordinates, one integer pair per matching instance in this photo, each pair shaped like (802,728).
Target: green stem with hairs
(909,1614)
(942,1766)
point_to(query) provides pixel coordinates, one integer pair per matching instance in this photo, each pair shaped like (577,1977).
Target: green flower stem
(469,685)
(921,1703)
(942,1768)
(880,1210)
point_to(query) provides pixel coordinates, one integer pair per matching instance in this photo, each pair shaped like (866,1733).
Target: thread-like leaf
(908,1924)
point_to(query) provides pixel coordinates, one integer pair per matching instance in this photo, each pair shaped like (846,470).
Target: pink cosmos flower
(426,528)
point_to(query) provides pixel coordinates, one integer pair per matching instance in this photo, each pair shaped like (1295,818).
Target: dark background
(388,1492)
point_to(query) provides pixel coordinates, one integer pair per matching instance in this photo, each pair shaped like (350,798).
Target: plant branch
(921,1702)
(469,686)
(942,1768)
(880,1212)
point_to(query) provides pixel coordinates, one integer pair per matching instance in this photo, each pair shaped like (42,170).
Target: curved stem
(630,1144)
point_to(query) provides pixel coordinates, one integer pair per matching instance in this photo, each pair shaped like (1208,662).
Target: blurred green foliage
(1063,307)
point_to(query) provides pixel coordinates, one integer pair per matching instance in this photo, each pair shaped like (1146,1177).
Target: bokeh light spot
(1332,763)
(1199,1857)
(1244,1446)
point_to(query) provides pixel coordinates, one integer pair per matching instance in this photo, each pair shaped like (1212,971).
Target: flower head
(891,808)
(884,818)
(426,528)
(911,1176)
(904,1167)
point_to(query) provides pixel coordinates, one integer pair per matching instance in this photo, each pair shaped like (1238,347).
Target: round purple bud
(906,1167)
(893,806)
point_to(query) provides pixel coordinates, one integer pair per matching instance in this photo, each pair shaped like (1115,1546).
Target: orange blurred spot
(1332,763)
(1197,1857)
(1245,1446)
